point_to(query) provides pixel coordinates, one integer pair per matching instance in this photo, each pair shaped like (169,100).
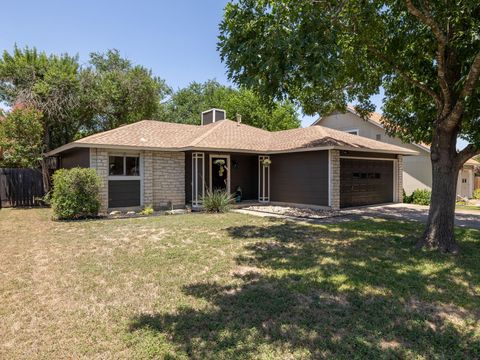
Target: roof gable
(375,119)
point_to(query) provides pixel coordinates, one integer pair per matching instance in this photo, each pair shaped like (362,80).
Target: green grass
(213,286)
(467,207)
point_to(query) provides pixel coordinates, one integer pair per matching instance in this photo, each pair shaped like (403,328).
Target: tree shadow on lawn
(351,290)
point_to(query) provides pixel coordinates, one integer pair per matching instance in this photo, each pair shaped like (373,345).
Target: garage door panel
(365,182)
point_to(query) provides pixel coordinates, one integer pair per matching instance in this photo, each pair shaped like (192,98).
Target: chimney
(213,115)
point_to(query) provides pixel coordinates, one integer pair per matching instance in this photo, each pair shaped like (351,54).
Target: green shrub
(75,193)
(421,197)
(476,194)
(147,210)
(407,199)
(218,201)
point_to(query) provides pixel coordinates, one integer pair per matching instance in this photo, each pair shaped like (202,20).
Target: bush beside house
(419,197)
(476,194)
(75,193)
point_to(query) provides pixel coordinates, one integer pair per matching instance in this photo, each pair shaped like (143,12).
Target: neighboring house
(417,170)
(167,164)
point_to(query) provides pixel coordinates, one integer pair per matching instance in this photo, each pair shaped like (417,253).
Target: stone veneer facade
(163,177)
(400,178)
(335,179)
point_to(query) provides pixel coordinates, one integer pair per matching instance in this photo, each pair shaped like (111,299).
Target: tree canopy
(124,93)
(324,54)
(21,138)
(77,101)
(186,105)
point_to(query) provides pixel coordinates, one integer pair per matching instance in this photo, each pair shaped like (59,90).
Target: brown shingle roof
(227,135)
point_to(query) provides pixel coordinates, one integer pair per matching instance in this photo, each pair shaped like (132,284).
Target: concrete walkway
(463,218)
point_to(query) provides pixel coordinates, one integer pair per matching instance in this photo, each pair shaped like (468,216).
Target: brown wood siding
(79,157)
(207,118)
(300,178)
(365,182)
(367,154)
(123,193)
(244,173)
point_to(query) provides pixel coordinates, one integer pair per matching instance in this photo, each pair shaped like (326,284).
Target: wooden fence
(20,187)
(477,182)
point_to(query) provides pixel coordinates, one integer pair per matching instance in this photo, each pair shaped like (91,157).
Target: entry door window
(219,176)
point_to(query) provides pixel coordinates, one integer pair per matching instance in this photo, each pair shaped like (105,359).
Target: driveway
(463,218)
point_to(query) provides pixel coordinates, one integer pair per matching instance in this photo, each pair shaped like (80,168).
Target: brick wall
(400,179)
(99,161)
(163,177)
(335,179)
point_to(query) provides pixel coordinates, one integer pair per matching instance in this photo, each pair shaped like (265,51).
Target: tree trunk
(44,163)
(45,175)
(439,233)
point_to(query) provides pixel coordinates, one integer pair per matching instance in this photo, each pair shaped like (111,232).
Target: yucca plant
(217,201)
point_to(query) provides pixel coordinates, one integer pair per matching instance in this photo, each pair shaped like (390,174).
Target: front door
(219,166)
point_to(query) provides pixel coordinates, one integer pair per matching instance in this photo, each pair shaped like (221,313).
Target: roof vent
(213,115)
(239,119)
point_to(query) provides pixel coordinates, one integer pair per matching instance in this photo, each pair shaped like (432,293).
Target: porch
(237,173)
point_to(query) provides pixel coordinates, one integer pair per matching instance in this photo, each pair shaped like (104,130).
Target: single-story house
(168,164)
(417,170)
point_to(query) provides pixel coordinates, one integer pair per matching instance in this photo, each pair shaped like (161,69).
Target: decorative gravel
(296,212)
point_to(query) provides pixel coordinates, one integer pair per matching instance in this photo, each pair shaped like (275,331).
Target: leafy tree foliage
(48,83)
(186,105)
(21,138)
(124,93)
(78,101)
(324,54)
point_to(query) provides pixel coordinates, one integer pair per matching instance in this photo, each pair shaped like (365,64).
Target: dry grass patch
(232,286)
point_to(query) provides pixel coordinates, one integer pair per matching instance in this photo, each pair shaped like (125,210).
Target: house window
(464,181)
(124,165)
(353,132)
(378,137)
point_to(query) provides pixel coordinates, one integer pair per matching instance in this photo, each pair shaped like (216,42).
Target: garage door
(365,182)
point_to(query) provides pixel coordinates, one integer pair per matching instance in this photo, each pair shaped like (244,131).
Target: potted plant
(266,162)
(221,166)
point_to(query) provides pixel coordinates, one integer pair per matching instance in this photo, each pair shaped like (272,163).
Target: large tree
(123,92)
(21,138)
(326,53)
(76,101)
(47,83)
(186,105)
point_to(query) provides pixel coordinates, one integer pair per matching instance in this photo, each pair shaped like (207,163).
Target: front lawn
(462,206)
(232,286)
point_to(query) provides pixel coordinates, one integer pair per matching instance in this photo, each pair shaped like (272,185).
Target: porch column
(399,187)
(99,162)
(334,179)
(148,178)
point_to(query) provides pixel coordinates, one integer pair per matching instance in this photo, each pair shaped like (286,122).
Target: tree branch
(467,153)
(467,90)
(427,19)
(407,76)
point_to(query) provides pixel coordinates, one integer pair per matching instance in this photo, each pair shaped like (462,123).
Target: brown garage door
(365,182)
